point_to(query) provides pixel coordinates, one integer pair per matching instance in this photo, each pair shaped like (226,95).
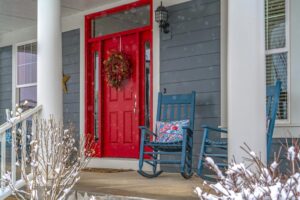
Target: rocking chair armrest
(214,129)
(146,130)
(188,130)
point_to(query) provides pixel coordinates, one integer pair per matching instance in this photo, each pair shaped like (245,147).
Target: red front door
(114,115)
(121,106)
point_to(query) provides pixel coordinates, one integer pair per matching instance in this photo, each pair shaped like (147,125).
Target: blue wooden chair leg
(154,162)
(142,160)
(200,163)
(186,161)
(190,156)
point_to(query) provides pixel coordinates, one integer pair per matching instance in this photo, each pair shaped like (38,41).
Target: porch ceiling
(18,14)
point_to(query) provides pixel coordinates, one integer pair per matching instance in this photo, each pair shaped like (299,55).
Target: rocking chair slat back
(170,107)
(178,112)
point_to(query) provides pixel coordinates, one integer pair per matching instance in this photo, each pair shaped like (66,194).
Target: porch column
(246,78)
(49,58)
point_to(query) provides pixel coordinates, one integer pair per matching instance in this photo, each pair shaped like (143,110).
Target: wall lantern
(161,17)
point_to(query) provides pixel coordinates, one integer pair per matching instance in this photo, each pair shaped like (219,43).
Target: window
(27,74)
(121,21)
(277,50)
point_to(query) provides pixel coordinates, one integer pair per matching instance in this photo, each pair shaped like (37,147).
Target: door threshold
(117,163)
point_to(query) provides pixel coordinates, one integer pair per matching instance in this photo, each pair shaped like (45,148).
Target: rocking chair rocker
(152,150)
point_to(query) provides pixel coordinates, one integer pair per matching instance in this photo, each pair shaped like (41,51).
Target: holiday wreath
(117,68)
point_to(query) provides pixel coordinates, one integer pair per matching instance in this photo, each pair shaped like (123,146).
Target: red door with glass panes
(114,115)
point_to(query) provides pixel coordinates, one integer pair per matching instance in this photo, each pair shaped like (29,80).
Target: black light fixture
(161,17)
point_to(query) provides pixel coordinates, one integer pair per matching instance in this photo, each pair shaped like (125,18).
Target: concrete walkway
(168,186)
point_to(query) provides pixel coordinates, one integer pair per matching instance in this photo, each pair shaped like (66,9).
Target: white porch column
(49,58)
(246,77)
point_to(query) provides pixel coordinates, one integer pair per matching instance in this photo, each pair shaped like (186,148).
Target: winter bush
(258,182)
(55,160)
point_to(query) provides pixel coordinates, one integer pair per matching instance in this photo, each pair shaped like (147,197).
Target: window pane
(147,83)
(28,54)
(34,52)
(27,63)
(276,68)
(96,93)
(275,22)
(121,21)
(21,55)
(28,94)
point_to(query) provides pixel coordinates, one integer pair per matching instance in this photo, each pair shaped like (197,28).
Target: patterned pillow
(170,131)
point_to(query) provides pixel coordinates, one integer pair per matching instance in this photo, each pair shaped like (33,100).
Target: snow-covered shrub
(261,182)
(55,161)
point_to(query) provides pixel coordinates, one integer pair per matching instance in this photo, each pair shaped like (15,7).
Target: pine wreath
(117,68)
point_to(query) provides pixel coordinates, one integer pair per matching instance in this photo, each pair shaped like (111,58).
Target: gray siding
(190,60)
(5,81)
(71,67)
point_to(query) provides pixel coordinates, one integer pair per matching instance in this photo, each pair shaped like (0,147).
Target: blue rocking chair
(210,146)
(170,108)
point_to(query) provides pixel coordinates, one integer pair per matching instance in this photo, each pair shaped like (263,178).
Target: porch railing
(6,136)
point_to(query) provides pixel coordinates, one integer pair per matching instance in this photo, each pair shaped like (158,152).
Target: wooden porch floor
(131,184)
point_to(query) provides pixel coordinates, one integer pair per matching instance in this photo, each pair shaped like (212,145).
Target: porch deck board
(167,186)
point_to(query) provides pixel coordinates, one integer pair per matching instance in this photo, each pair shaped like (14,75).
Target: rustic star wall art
(66,78)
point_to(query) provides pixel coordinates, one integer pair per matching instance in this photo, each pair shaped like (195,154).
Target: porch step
(79,195)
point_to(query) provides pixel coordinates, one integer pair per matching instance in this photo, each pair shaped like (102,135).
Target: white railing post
(11,126)
(24,146)
(13,153)
(3,158)
(33,131)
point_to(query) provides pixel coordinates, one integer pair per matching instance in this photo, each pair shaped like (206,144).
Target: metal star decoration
(66,78)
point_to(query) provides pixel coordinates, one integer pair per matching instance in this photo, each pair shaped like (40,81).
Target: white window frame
(15,85)
(286,49)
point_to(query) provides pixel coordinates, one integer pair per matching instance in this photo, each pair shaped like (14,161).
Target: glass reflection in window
(96,93)
(147,83)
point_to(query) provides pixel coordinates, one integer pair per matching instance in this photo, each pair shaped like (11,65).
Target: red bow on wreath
(117,68)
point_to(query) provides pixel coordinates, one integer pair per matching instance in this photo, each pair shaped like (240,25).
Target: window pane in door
(96,93)
(147,83)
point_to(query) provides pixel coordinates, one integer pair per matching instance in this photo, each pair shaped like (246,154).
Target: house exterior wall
(190,60)
(5,81)
(71,48)
(71,67)
(76,21)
